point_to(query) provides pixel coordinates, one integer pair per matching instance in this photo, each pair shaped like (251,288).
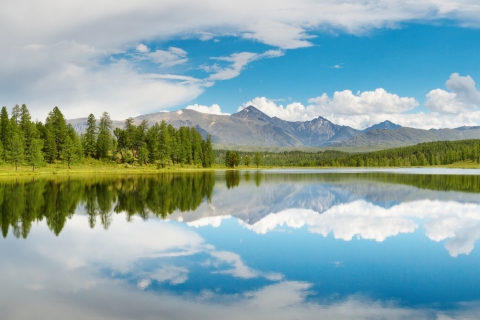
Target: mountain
(248,127)
(252,127)
(408,136)
(388,125)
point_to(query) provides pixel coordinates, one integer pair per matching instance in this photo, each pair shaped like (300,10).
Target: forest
(424,154)
(27,143)
(24,142)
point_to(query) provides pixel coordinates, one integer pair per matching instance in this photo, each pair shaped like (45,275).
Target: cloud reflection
(457,223)
(62,277)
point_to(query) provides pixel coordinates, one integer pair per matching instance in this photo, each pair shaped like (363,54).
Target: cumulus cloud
(463,96)
(457,223)
(367,102)
(362,108)
(142,48)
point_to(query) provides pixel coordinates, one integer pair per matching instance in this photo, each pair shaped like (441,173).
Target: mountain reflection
(372,206)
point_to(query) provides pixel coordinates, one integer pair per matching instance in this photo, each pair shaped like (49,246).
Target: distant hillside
(408,136)
(251,127)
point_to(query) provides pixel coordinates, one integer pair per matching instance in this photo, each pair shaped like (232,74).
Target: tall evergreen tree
(5,131)
(90,138)
(69,152)
(50,146)
(16,112)
(257,159)
(15,150)
(35,156)
(59,125)
(165,144)
(104,140)
(153,142)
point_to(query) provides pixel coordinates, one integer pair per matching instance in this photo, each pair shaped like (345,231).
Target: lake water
(299,244)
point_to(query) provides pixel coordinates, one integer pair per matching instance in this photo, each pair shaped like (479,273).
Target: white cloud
(362,107)
(70,45)
(419,120)
(457,223)
(169,58)
(448,109)
(367,102)
(142,48)
(463,96)
(214,221)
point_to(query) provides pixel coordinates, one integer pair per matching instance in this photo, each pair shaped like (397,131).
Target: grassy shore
(7,170)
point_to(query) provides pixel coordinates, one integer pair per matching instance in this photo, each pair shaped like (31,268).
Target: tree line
(24,142)
(423,154)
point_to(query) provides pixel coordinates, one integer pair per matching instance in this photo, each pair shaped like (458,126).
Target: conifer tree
(90,137)
(59,125)
(15,150)
(35,156)
(50,146)
(164,145)
(69,152)
(5,132)
(104,140)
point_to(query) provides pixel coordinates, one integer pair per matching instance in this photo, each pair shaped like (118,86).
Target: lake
(280,244)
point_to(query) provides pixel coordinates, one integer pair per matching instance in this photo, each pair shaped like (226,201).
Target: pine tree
(5,132)
(104,140)
(90,138)
(16,112)
(257,159)
(59,125)
(50,147)
(153,141)
(69,152)
(164,146)
(15,150)
(35,156)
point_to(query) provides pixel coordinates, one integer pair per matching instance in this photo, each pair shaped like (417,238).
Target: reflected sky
(287,247)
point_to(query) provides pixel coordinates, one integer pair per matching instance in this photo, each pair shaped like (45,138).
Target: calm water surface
(252,245)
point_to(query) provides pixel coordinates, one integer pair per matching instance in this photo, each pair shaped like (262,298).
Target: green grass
(97,167)
(304,149)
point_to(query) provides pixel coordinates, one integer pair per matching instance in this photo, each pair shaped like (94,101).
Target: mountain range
(251,127)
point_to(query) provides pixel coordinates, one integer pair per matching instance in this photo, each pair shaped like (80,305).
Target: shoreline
(56,170)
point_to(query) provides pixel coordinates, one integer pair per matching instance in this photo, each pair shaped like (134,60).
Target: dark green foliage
(247,160)
(15,150)
(58,127)
(105,138)
(35,156)
(257,159)
(5,132)
(423,154)
(232,159)
(90,137)
(25,142)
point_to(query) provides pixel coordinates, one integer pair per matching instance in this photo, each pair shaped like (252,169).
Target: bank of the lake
(114,168)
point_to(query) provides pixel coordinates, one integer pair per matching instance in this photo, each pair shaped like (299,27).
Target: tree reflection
(27,201)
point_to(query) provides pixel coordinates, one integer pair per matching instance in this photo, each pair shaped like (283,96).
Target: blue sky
(411,62)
